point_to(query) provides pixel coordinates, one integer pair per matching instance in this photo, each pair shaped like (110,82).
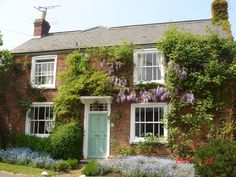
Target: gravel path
(7,174)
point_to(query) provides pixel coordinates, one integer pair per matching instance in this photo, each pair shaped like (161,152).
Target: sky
(17,16)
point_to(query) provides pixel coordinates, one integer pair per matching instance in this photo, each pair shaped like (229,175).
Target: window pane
(161,113)
(137,130)
(154,59)
(136,114)
(158,58)
(142,133)
(41,113)
(143,74)
(32,127)
(36,112)
(49,125)
(161,130)
(143,59)
(149,114)
(154,73)
(158,73)
(156,115)
(41,127)
(149,74)
(149,59)
(156,129)
(36,127)
(142,114)
(139,73)
(44,68)
(149,128)
(139,60)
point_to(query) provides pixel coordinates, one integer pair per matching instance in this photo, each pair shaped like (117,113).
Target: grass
(20,169)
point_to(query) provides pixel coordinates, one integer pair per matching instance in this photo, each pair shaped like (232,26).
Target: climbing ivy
(200,77)
(102,71)
(220,15)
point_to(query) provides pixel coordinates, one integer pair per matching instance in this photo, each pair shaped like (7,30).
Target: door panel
(97,135)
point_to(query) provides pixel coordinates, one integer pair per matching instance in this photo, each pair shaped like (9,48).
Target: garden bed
(133,166)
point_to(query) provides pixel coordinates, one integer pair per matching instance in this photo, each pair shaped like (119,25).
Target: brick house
(47,53)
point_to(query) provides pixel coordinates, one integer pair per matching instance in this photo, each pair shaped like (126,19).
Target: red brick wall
(14,120)
(120,131)
(121,126)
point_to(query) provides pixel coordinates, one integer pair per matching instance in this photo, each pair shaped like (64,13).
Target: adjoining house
(47,53)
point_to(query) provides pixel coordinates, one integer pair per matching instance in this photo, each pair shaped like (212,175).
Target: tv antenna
(44,9)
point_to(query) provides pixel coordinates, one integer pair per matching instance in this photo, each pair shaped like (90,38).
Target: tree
(6,63)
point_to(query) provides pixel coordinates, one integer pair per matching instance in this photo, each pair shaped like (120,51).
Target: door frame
(87,100)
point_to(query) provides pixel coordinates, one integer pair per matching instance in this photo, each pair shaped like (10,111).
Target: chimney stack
(41,28)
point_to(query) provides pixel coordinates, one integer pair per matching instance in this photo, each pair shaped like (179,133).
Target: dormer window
(43,71)
(148,66)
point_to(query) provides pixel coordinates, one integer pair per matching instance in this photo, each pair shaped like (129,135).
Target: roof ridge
(168,22)
(145,24)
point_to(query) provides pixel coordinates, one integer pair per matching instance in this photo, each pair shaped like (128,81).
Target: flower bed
(25,156)
(133,166)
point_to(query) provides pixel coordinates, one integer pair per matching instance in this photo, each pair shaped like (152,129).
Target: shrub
(144,148)
(25,156)
(33,142)
(218,158)
(93,168)
(61,166)
(66,141)
(125,151)
(73,163)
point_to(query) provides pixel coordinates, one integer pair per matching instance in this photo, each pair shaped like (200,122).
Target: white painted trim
(43,57)
(92,99)
(132,118)
(27,126)
(135,56)
(87,100)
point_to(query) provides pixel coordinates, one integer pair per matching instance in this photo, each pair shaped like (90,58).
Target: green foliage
(33,142)
(73,163)
(125,150)
(24,105)
(218,159)
(121,150)
(219,10)
(66,141)
(62,166)
(199,66)
(83,79)
(92,169)
(148,146)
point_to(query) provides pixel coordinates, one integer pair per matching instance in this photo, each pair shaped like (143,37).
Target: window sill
(44,86)
(149,82)
(139,140)
(39,135)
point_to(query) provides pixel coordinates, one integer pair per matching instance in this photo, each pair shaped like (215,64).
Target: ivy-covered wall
(220,16)
(201,79)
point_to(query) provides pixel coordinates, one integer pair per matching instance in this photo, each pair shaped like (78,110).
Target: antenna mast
(44,10)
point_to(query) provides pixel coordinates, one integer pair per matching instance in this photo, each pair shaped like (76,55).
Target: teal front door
(97,135)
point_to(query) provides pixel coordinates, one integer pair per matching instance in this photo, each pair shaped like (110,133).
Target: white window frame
(135,60)
(33,66)
(27,122)
(134,139)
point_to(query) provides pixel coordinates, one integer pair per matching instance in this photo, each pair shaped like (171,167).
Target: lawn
(20,169)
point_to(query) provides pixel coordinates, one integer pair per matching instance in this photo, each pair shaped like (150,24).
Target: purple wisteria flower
(188,97)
